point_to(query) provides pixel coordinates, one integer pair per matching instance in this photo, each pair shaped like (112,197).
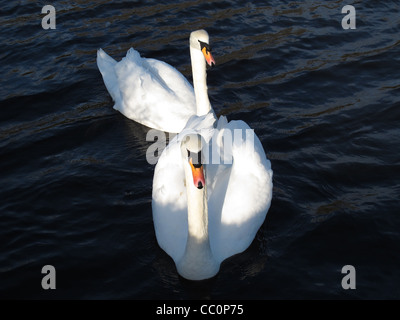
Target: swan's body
(199,228)
(154,93)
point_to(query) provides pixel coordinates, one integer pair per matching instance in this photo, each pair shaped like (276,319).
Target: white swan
(154,93)
(205,213)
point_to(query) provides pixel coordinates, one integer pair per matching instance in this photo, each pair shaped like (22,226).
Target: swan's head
(199,40)
(191,154)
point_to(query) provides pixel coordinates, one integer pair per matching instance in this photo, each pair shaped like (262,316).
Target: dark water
(75,187)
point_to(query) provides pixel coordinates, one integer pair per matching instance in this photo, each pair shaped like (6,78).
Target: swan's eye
(205,45)
(195,158)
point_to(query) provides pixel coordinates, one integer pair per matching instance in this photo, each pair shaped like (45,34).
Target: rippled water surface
(75,187)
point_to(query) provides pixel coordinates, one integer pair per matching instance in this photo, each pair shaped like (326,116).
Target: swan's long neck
(197,217)
(200,81)
(197,262)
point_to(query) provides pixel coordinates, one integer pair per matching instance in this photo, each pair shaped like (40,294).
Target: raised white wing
(239,193)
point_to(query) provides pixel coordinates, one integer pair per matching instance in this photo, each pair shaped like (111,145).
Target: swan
(206,211)
(154,93)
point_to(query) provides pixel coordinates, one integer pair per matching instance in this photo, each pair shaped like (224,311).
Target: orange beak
(198,175)
(209,58)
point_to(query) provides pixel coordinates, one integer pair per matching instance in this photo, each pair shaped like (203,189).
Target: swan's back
(148,91)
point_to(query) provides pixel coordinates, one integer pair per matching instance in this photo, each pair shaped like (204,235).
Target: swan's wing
(151,92)
(169,202)
(204,125)
(240,194)
(169,77)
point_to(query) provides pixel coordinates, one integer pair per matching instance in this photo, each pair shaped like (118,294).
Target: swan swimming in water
(205,212)
(154,93)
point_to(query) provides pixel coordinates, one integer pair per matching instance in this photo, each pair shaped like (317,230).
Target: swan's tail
(106,65)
